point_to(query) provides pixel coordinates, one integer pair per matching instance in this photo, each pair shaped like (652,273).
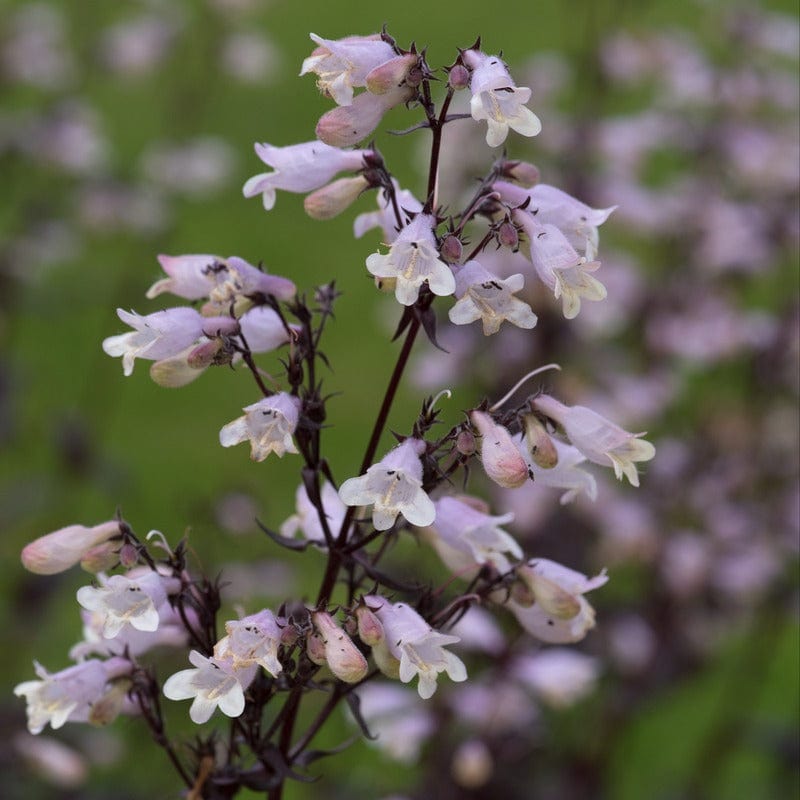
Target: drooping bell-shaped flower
(268,425)
(416,645)
(213,683)
(162,334)
(263,329)
(254,639)
(465,537)
(412,260)
(75,694)
(485,297)
(188,276)
(300,168)
(496,99)
(234,282)
(559,266)
(62,549)
(393,486)
(132,600)
(342,64)
(599,439)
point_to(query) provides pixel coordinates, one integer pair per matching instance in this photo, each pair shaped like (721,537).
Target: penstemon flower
(393,486)
(268,425)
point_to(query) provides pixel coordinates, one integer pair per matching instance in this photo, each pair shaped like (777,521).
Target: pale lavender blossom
(254,639)
(393,486)
(418,648)
(306,517)
(213,683)
(598,439)
(485,297)
(268,425)
(496,99)
(342,64)
(81,693)
(466,538)
(300,168)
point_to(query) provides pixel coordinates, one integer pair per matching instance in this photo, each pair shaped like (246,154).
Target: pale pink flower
(598,439)
(483,296)
(343,658)
(496,99)
(393,486)
(306,518)
(342,64)
(268,425)
(62,549)
(500,456)
(300,168)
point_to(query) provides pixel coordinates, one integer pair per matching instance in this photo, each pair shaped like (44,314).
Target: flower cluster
(236,312)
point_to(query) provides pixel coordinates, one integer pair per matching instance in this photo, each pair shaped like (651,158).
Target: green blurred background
(89,204)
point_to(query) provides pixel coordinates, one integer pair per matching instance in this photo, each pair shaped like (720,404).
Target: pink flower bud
(204,354)
(344,659)
(315,649)
(465,443)
(370,630)
(331,200)
(128,555)
(507,236)
(540,445)
(346,125)
(459,77)
(391,74)
(64,548)
(524,173)
(501,459)
(451,249)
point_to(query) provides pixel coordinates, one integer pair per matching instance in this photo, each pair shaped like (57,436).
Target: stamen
(521,381)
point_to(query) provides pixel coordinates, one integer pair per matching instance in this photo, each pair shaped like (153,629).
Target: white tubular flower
(560,613)
(577,221)
(160,335)
(565,474)
(214,682)
(598,439)
(267,424)
(252,640)
(76,694)
(299,168)
(128,601)
(412,260)
(307,519)
(559,676)
(483,296)
(347,125)
(559,266)
(417,646)
(465,537)
(343,658)
(342,64)
(385,218)
(497,100)
(393,486)
(500,456)
(62,549)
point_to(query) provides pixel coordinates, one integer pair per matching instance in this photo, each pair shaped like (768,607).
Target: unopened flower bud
(370,630)
(64,548)
(128,555)
(338,196)
(554,599)
(101,558)
(344,659)
(109,706)
(204,354)
(465,443)
(173,373)
(388,664)
(523,172)
(459,77)
(501,459)
(315,649)
(541,447)
(451,249)
(289,635)
(508,236)
(391,74)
